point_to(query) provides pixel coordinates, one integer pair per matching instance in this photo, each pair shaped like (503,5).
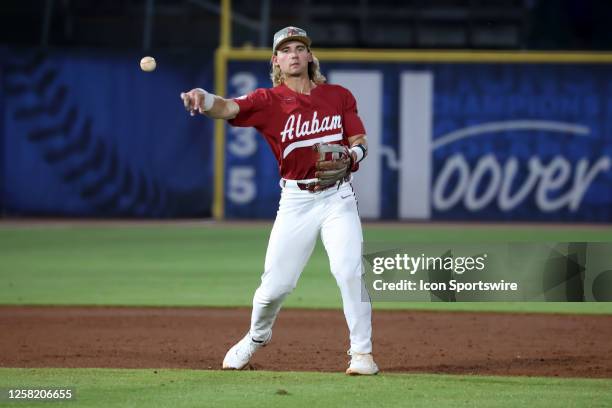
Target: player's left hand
(333,165)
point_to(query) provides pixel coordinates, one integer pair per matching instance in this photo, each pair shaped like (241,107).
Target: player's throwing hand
(195,101)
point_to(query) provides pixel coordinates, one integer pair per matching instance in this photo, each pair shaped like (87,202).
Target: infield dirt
(308,340)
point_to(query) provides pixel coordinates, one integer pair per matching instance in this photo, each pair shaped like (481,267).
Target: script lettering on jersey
(295,127)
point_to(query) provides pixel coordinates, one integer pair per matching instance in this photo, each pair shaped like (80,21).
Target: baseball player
(318,139)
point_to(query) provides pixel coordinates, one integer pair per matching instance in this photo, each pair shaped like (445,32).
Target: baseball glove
(333,164)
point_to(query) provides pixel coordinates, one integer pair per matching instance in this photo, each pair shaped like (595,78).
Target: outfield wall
(453,136)
(90,134)
(467,140)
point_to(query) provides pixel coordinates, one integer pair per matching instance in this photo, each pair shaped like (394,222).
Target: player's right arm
(199,101)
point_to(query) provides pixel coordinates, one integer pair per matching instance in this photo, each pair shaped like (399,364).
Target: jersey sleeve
(351,120)
(253,107)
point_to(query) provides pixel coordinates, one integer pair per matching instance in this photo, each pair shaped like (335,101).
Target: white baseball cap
(288,34)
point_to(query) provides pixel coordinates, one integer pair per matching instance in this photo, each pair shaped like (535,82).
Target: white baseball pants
(300,218)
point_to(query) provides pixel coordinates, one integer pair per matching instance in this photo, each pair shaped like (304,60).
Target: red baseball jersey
(293,123)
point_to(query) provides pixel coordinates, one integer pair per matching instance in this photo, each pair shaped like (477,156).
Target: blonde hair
(314,73)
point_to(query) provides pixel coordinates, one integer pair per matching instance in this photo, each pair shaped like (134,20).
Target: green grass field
(219,265)
(189,388)
(213,265)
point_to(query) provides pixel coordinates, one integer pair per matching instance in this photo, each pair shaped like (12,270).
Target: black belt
(311,185)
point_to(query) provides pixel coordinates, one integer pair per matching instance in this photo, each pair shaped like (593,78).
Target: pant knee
(347,270)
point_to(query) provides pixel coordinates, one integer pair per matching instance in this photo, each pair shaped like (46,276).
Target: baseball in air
(148,64)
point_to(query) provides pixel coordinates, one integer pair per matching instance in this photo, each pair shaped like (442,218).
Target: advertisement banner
(453,141)
(90,134)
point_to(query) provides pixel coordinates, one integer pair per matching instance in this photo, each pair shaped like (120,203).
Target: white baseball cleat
(361,364)
(239,355)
